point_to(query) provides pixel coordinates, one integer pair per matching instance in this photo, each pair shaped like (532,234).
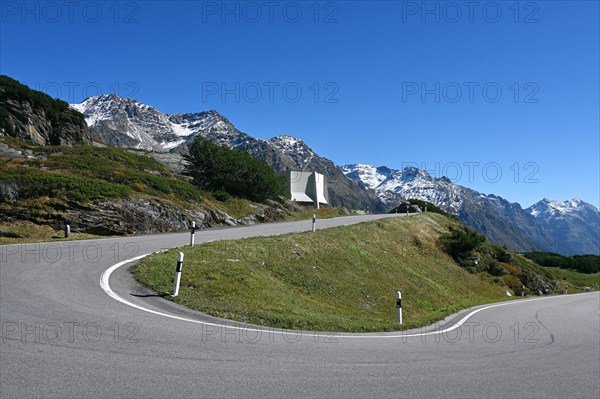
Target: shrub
(430,207)
(458,243)
(222,195)
(513,283)
(218,168)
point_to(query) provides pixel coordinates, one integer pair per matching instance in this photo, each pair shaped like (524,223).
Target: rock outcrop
(36,118)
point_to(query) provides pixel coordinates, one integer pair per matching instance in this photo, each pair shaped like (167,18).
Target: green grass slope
(339,279)
(38,191)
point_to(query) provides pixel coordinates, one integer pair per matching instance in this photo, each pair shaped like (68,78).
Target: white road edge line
(104,284)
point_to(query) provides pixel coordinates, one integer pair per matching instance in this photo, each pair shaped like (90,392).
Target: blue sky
(502,97)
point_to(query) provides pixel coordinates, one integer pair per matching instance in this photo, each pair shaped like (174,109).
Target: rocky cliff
(36,118)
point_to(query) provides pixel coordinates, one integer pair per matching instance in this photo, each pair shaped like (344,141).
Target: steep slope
(35,117)
(549,226)
(125,122)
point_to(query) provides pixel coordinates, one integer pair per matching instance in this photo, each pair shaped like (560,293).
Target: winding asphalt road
(64,336)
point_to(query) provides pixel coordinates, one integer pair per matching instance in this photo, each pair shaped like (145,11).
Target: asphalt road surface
(63,336)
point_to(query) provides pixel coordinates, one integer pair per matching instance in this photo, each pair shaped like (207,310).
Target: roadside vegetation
(575,281)
(580,263)
(24,231)
(339,279)
(431,207)
(36,191)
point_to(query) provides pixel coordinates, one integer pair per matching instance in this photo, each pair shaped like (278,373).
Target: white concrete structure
(308,187)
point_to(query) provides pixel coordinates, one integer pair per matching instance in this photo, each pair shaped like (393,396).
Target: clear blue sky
(386,83)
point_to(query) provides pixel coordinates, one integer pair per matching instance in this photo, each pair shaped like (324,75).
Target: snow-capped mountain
(548,209)
(569,227)
(394,185)
(369,175)
(125,122)
(575,223)
(295,148)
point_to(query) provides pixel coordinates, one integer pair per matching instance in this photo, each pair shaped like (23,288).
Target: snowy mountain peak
(411,173)
(126,122)
(552,208)
(369,175)
(394,185)
(107,106)
(291,145)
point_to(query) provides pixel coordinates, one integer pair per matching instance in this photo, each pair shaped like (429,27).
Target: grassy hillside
(41,192)
(89,173)
(37,192)
(340,279)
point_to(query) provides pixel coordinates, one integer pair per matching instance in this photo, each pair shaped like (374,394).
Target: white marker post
(67,231)
(314,225)
(178,275)
(399,306)
(406,210)
(193,234)
(523,291)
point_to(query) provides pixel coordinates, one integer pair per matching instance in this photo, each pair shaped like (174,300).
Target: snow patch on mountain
(127,122)
(294,148)
(101,109)
(369,175)
(552,208)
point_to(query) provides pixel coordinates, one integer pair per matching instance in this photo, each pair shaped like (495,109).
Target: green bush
(222,195)
(460,242)
(430,207)
(218,168)
(513,283)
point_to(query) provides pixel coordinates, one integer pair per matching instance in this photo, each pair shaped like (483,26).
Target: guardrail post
(178,275)
(399,306)
(193,234)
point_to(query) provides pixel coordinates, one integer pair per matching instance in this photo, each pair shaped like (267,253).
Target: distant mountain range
(570,227)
